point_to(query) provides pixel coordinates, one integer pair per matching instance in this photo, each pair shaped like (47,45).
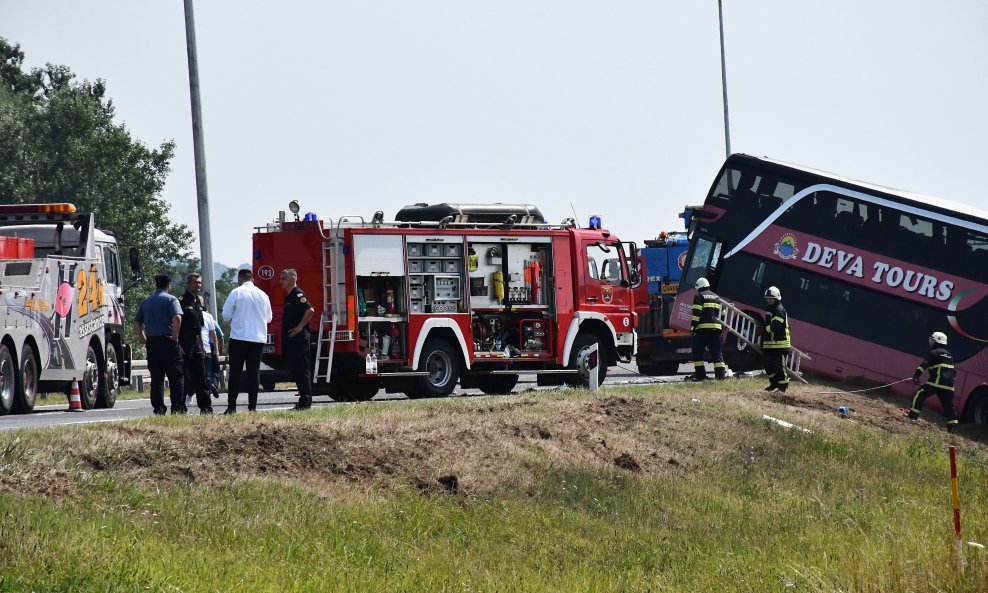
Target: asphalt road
(56,413)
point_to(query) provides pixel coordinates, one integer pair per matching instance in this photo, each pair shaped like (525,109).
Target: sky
(610,108)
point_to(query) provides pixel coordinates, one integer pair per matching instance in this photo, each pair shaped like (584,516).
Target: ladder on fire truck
(745,328)
(334,309)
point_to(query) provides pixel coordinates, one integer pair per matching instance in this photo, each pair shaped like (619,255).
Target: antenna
(575,216)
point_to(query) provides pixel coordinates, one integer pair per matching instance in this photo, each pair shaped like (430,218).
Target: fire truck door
(605,289)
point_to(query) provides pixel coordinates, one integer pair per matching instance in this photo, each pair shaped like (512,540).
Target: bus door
(606,290)
(702,262)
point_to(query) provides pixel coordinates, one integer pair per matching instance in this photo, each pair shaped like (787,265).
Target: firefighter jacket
(776,328)
(706,312)
(940,365)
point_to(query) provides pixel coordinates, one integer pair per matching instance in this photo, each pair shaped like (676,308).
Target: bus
(867,273)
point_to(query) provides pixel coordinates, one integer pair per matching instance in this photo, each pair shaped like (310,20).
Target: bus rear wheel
(976,410)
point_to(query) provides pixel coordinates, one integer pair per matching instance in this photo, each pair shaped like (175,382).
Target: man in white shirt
(213,344)
(248,310)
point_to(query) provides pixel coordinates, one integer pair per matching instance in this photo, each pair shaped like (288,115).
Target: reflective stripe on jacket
(706,312)
(776,328)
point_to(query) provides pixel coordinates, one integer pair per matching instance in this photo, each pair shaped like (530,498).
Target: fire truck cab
(61,307)
(449,293)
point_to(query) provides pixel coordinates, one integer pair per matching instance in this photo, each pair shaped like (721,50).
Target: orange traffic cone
(75,400)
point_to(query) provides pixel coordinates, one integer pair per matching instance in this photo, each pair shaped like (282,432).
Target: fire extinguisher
(396,349)
(389,300)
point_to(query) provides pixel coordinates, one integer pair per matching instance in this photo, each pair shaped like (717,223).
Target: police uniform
(775,347)
(706,329)
(296,348)
(190,339)
(164,356)
(940,366)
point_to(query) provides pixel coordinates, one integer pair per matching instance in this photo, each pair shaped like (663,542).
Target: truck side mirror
(135,264)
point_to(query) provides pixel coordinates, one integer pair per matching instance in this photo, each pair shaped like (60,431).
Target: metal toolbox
(451,266)
(416,291)
(433,250)
(451,250)
(433,266)
(414,250)
(416,279)
(415,266)
(416,306)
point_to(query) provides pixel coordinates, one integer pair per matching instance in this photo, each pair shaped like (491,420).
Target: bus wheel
(8,380)
(498,384)
(27,385)
(976,410)
(442,364)
(583,342)
(109,379)
(91,378)
(659,369)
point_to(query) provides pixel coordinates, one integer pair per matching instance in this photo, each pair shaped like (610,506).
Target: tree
(59,143)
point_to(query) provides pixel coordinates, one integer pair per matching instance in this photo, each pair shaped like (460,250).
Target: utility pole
(205,243)
(723,78)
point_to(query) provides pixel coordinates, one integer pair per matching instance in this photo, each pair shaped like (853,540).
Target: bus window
(703,261)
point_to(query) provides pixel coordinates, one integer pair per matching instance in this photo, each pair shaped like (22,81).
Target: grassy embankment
(667,488)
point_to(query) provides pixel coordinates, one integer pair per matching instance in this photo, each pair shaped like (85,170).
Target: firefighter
(295,336)
(940,382)
(706,330)
(776,344)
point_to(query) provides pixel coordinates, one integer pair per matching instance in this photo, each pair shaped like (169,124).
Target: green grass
(851,510)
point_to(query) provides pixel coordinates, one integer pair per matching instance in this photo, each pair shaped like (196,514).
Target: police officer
(295,336)
(940,382)
(190,339)
(157,325)
(706,330)
(776,344)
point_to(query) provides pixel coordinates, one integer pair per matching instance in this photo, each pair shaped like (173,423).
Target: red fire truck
(447,293)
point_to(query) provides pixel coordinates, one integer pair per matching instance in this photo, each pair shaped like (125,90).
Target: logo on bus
(786,248)
(681,260)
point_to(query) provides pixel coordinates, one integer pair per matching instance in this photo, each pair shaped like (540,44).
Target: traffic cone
(75,400)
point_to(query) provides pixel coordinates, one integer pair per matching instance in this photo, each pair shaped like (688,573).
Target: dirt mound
(468,445)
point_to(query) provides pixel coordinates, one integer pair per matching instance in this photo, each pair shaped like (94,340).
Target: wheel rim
(30,380)
(581,370)
(7,379)
(439,367)
(112,374)
(92,375)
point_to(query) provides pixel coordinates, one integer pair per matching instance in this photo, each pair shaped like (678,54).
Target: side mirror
(135,264)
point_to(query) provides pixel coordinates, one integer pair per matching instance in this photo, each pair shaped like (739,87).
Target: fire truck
(449,293)
(61,307)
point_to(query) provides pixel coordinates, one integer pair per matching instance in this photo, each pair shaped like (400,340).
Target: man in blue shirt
(157,324)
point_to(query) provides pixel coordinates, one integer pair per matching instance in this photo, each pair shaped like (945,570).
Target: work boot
(300,406)
(230,412)
(914,416)
(771,387)
(950,428)
(783,387)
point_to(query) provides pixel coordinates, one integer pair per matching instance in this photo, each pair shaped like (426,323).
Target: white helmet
(939,338)
(702,283)
(773,293)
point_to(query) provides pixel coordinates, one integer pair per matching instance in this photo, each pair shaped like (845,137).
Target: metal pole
(723,78)
(957,508)
(205,243)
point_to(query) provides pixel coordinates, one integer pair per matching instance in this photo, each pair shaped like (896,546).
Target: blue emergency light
(594,222)
(310,217)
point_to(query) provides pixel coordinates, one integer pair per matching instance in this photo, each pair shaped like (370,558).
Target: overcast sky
(615,107)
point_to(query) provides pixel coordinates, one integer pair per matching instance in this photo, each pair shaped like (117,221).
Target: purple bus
(867,273)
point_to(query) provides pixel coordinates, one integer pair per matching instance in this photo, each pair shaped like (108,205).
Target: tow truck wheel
(91,378)
(27,387)
(581,343)
(498,384)
(8,380)
(108,387)
(443,365)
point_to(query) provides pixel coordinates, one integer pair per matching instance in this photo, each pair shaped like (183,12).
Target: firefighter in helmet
(940,382)
(706,330)
(776,344)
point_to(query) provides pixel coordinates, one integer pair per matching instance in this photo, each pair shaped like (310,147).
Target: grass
(754,508)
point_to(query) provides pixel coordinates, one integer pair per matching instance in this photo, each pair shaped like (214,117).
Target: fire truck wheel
(582,342)
(90,383)
(360,390)
(443,365)
(498,384)
(27,384)
(8,380)
(108,385)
